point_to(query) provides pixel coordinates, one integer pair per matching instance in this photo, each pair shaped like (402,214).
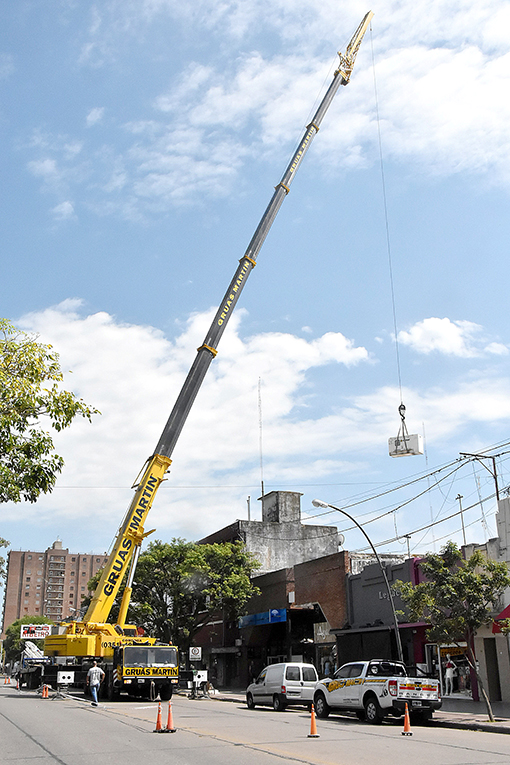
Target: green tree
(180,586)
(457,598)
(13,644)
(3,543)
(29,392)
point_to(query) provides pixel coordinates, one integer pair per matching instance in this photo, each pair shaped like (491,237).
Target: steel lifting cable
(401,408)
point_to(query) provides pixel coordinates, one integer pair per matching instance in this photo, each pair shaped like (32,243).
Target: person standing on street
(95,677)
(450,671)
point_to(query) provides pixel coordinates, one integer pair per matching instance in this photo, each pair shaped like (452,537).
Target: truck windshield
(153,656)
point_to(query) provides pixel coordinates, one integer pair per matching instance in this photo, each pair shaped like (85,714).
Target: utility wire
(429,525)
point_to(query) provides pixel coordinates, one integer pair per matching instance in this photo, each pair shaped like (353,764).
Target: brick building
(290,619)
(49,583)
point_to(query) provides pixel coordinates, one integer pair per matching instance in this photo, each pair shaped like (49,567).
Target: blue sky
(141,143)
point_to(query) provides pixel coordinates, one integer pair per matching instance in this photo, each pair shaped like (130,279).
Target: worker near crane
(95,677)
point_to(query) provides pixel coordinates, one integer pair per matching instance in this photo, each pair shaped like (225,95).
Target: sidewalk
(462,712)
(457,712)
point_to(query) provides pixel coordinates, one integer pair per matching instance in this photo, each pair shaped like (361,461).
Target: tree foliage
(13,644)
(3,543)
(30,375)
(181,585)
(457,598)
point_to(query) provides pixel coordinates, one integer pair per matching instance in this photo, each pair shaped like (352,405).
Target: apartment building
(50,583)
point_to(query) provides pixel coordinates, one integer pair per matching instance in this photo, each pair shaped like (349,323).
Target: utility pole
(493,472)
(459,497)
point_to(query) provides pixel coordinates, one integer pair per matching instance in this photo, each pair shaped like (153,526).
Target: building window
(83,589)
(29,557)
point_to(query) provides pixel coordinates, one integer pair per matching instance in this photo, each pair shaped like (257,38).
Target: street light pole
(320,503)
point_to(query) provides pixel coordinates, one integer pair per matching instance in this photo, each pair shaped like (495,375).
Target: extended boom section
(207,351)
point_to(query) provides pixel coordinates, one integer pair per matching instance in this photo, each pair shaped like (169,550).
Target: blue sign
(264,617)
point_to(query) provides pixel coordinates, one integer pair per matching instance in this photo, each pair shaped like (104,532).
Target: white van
(282,684)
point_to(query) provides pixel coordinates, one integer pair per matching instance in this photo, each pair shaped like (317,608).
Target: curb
(486,727)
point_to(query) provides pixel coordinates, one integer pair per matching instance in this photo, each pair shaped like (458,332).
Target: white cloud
(453,338)
(64,211)
(95,116)
(441,68)
(6,65)
(46,168)
(133,375)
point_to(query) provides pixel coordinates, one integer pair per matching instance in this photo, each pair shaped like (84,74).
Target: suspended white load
(406,445)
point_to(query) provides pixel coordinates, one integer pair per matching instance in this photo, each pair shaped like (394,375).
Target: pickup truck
(375,689)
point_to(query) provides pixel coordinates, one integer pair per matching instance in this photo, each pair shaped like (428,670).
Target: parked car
(375,689)
(283,684)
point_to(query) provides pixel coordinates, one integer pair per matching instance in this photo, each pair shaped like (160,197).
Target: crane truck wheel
(165,692)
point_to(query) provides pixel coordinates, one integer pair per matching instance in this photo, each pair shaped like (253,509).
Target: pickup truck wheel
(373,711)
(278,703)
(249,701)
(321,706)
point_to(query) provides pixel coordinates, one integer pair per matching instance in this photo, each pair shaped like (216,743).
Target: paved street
(72,732)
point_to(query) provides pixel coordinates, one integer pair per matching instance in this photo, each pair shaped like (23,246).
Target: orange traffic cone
(45,694)
(313,727)
(159,724)
(170,722)
(9,680)
(5,679)
(407,725)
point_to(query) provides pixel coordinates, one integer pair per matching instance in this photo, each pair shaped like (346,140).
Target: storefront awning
(505,614)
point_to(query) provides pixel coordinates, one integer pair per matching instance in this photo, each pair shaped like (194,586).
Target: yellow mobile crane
(135,663)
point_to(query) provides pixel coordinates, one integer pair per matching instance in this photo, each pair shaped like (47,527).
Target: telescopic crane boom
(131,533)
